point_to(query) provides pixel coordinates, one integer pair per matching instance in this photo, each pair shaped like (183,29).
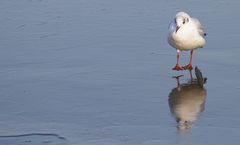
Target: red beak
(177,28)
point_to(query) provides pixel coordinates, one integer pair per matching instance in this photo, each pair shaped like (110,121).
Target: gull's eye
(185,20)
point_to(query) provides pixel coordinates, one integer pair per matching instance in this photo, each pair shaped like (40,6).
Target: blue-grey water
(96,72)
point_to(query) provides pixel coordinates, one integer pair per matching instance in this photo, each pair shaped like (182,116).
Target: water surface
(99,72)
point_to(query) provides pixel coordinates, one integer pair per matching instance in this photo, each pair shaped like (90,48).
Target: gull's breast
(186,38)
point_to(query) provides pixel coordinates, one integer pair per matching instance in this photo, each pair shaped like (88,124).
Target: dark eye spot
(183,21)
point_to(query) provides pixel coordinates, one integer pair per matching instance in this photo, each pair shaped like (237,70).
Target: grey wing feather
(172,26)
(199,26)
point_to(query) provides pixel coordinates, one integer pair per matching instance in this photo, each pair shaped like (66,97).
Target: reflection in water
(186,101)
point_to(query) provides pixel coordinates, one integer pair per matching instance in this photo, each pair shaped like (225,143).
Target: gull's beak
(177,28)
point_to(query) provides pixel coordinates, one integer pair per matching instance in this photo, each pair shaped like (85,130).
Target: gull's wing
(172,26)
(199,27)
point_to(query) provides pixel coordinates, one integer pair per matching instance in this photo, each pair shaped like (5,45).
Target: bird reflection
(187,101)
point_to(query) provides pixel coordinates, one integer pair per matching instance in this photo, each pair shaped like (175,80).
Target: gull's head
(181,19)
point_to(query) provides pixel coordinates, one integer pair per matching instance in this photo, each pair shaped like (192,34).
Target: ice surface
(99,72)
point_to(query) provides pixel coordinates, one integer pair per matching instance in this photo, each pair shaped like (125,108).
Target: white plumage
(185,33)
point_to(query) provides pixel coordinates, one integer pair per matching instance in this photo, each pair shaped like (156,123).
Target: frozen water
(99,72)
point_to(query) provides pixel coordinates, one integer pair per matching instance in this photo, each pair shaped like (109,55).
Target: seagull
(185,33)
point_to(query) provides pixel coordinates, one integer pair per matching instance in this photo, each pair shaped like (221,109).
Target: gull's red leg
(177,66)
(189,66)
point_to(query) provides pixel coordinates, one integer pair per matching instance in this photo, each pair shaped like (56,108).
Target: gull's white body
(189,36)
